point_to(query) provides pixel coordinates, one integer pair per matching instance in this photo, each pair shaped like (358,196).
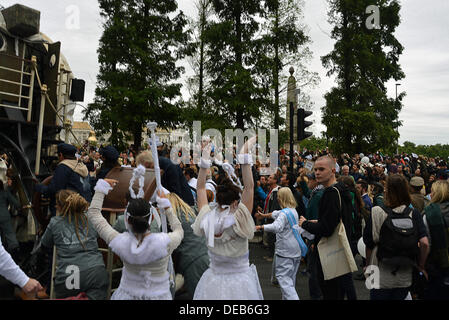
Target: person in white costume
(287,249)
(227,227)
(145,255)
(12,272)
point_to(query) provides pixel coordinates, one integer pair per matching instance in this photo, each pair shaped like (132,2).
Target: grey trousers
(286,270)
(94,282)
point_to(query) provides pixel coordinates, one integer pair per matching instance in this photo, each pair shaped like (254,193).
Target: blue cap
(109,153)
(67,149)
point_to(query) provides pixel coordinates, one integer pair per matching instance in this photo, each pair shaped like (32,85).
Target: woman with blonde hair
(436,219)
(190,258)
(289,247)
(77,254)
(145,255)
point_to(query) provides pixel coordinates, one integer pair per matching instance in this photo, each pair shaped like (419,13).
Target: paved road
(271,292)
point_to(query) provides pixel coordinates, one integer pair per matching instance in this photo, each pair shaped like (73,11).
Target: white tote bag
(335,253)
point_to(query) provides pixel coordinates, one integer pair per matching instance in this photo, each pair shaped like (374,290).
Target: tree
(285,44)
(239,94)
(141,44)
(358,114)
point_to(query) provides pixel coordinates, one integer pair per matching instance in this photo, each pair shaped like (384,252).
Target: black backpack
(398,239)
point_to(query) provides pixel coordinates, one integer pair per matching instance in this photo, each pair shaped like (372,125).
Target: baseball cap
(66,149)
(109,153)
(416,181)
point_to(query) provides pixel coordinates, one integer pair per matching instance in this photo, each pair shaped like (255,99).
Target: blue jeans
(389,294)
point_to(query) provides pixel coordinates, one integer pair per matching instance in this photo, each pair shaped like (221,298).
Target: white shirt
(10,270)
(286,244)
(193,182)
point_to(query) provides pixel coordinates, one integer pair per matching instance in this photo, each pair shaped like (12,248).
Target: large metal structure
(36,111)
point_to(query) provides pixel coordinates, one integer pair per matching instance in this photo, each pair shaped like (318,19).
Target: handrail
(15,57)
(16,83)
(13,107)
(17,71)
(14,95)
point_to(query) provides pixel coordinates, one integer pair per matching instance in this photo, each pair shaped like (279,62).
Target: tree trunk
(276,74)
(239,60)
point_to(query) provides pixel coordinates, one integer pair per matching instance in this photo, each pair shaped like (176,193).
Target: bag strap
(339,198)
(292,221)
(390,211)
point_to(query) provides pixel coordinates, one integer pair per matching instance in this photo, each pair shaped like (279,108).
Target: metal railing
(31,63)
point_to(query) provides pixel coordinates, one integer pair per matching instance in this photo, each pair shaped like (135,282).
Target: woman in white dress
(145,255)
(227,228)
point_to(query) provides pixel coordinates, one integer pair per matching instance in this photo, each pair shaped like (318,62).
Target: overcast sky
(424,33)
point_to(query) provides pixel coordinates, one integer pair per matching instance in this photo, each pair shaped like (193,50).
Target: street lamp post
(397,129)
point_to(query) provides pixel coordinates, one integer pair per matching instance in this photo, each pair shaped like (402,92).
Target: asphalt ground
(257,251)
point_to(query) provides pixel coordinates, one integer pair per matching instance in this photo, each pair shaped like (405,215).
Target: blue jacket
(69,174)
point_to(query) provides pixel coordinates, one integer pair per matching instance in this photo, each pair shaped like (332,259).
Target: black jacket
(329,213)
(174,180)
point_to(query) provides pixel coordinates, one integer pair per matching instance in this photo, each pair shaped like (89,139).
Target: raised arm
(245,161)
(177,234)
(204,164)
(103,228)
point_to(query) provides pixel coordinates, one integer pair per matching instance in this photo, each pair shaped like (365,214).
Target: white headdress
(139,174)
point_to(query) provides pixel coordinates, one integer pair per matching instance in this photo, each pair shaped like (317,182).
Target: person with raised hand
(145,255)
(227,228)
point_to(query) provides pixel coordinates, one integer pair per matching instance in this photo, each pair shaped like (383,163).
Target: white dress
(144,275)
(230,276)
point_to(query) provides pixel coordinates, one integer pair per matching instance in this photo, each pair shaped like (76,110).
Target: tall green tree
(142,42)
(239,94)
(200,106)
(358,114)
(284,45)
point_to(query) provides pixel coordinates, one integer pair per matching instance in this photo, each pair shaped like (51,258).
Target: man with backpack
(396,242)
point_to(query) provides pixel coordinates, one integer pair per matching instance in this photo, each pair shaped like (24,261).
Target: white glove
(103,187)
(205,164)
(163,203)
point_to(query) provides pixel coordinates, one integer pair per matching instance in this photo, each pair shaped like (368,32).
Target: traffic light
(303,124)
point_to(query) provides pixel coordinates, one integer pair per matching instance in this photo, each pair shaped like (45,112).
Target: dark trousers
(331,289)
(389,294)
(314,286)
(436,289)
(347,286)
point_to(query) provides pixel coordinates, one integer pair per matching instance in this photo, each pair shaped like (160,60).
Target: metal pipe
(21,73)
(40,129)
(16,83)
(12,107)
(30,99)
(12,95)
(16,71)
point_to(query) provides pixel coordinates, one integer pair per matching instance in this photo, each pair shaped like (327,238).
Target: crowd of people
(394,211)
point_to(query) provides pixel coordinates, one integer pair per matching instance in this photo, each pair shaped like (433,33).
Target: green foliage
(437,150)
(358,114)
(314,143)
(138,52)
